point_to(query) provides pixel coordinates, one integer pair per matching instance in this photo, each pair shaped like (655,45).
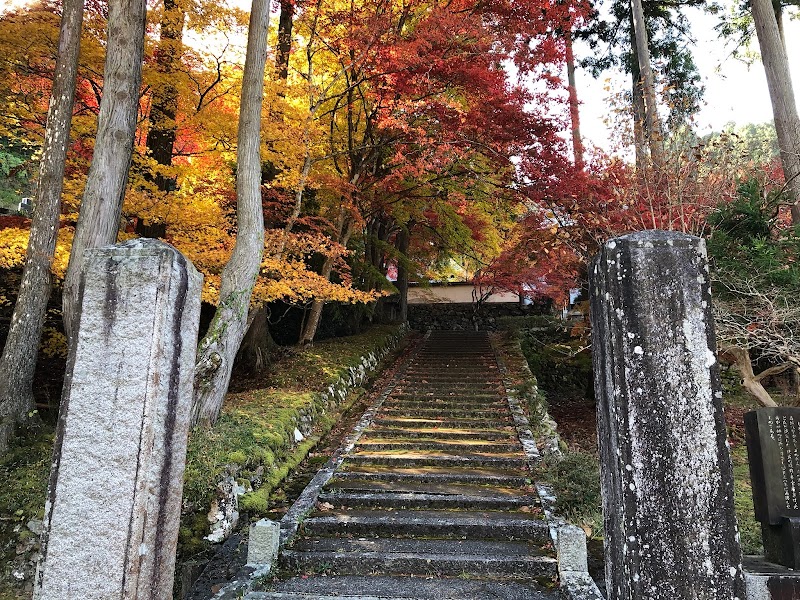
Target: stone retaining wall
(224,514)
(467,316)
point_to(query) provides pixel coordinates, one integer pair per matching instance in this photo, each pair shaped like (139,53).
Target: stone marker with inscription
(773,447)
(113,504)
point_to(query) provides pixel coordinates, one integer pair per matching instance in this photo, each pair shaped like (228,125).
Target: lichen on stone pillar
(670,529)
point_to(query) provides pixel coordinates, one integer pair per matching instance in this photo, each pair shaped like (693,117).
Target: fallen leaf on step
(324,506)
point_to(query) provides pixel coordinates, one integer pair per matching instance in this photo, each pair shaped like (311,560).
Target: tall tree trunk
(637,104)
(777,7)
(257,344)
(784,108)
(577,143)
(18,362)
(218,347)
(345,228)
(403,239)
(653,132)
(161,135)
(285,25)
(101,204)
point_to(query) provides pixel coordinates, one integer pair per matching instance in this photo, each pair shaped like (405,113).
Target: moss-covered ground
(253,440)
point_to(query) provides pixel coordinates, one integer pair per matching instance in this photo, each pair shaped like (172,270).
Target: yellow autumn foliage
(14,244)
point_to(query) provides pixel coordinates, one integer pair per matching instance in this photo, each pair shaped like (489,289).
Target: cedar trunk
(161,135)
(101,205)
(639,118)
(219,346)
(285,24)
(784,108)
(652,132)
(18,363)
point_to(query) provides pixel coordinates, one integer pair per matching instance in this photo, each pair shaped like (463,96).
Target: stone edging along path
(229,491)
(430,496)
(569,540)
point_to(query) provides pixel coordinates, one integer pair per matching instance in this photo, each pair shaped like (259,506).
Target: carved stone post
(113,506)
(666,474)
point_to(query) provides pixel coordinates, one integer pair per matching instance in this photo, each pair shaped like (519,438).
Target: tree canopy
(422,137)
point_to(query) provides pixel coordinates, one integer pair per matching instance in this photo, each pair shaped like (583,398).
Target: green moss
(24,471)
(255,431)
(256,502)
(190,535)
(237,457)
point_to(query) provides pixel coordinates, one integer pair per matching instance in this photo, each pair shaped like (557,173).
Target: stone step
(432,458)
(467,365)
(413,422)
(426,395)
(337,484)
(416,383)
(432,474)
(445,403)
(457,434)
(450,354)
(484,525)
(443,386)
(456,351)
(474,445)
(350,587)
(439,412)
(405,588)
(418,557)
(437,362)
(432,403)
(420,500)
(467,377)
(433,383)
(480,384)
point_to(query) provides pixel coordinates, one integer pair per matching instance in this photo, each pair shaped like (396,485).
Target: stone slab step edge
(438,412)
(486,434)
(435,488)
(350,587)
(455,477)
(457,525)
(421,500)
(443,423)
(354,563)
(434,460)
(447,404)
(434,444)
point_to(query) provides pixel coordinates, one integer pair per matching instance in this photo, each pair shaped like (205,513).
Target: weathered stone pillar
(670,529)
(113,506)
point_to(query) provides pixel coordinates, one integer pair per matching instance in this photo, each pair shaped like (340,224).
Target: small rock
(18,575)
(298,437)
(35,525)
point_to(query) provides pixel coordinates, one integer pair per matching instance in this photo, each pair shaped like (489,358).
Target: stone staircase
(435,499)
